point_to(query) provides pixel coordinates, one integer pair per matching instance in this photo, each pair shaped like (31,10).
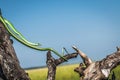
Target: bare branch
(67,57)
(118,49)
(85,59)
(99,70)
(65,50)
(53,63)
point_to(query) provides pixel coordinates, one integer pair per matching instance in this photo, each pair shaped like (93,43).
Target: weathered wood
(87,61)
(98,70)
(53,63)
(51,66)
(9,65)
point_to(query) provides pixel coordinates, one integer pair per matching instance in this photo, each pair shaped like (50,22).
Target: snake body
(18,33)
(19,37)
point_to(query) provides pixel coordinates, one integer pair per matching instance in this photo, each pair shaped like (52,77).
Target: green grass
(117,73)
(63,73)
(37,74)
(67,73)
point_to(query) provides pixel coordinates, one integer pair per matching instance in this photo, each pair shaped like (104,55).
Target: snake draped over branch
(19,37)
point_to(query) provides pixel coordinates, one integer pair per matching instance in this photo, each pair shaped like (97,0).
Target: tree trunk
(51,67)
(53,63)
(9,65)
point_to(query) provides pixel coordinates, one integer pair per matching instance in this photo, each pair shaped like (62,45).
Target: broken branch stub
(85,59)
(98,70)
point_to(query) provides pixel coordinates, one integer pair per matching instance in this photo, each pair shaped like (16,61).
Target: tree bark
(53,63)
(98,70)
(51,66)
(9,65)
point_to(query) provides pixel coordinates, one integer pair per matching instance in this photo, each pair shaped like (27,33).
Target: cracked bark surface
(88,70)
(53,63)
(9,65)
(99,70)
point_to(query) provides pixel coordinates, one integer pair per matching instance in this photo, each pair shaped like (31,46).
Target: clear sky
(92,25)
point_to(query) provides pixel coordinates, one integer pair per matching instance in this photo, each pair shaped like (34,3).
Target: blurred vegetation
(65,72)
(116,73)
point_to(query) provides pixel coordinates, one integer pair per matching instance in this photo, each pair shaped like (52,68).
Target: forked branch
(98,70)
(52,63)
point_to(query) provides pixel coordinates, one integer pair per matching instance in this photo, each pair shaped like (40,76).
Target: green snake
(18,33)
(19,37)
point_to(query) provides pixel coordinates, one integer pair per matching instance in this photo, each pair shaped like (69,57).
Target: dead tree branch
(98,70)
(51,66)
(9,65)
(86,60)
(53,63)
(67,57)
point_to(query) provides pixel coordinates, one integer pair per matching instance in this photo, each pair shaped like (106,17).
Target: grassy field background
(65,72)
(117,73)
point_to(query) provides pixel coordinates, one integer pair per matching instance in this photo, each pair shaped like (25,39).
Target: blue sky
(92,25)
